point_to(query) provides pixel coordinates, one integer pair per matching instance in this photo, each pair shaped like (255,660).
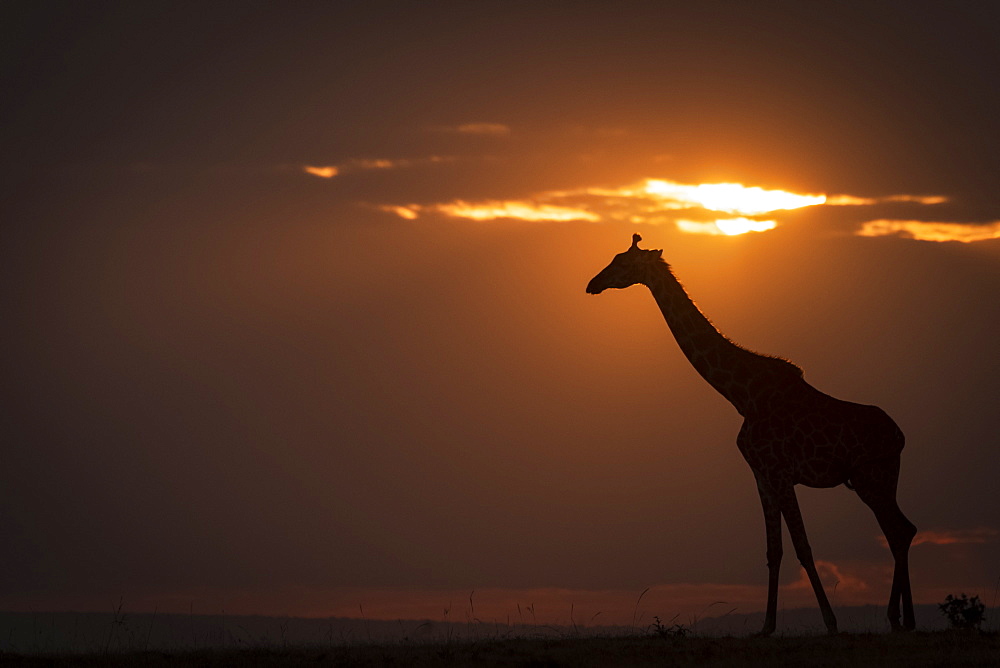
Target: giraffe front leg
(796,529)
(772,525)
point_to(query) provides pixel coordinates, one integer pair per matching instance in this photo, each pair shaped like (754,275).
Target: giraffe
(792,433)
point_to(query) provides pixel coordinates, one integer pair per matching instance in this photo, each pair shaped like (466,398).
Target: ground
(911,649)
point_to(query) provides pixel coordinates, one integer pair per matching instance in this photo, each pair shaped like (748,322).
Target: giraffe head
(626,269)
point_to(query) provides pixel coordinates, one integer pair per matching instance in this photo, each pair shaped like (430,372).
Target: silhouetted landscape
(85,632)
(70,638)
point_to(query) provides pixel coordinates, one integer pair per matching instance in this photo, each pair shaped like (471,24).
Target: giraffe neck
(723,364)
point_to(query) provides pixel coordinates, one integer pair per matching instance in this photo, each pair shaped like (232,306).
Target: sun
(731,198)
(729,227)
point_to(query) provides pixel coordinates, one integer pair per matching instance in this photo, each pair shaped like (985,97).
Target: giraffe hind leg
(879,494)
(899,532)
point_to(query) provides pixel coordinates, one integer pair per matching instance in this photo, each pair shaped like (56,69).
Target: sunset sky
(293,309)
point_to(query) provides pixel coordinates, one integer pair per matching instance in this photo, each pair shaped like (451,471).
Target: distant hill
(854,619)
(92,631)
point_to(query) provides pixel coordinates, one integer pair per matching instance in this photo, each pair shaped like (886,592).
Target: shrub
(964,612)
(672,631)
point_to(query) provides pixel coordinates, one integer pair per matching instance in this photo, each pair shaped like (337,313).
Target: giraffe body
(792,433)
(816,440)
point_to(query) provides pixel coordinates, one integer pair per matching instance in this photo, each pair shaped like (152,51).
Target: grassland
(945,648)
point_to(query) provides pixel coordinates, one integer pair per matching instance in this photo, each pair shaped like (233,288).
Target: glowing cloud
(407,212)
(661,201)
(730,197)
(495,129)
(327,172)
(645,202)
(956,537)
(495,210)
(931,231)
(919,199)
(832,575)
(519,210)
(851,200)
(379,164)
(369,164)
(651,200)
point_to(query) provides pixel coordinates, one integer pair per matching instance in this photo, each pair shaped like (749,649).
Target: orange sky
(294,311)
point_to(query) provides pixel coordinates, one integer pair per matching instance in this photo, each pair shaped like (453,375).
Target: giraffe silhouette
(792,433)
